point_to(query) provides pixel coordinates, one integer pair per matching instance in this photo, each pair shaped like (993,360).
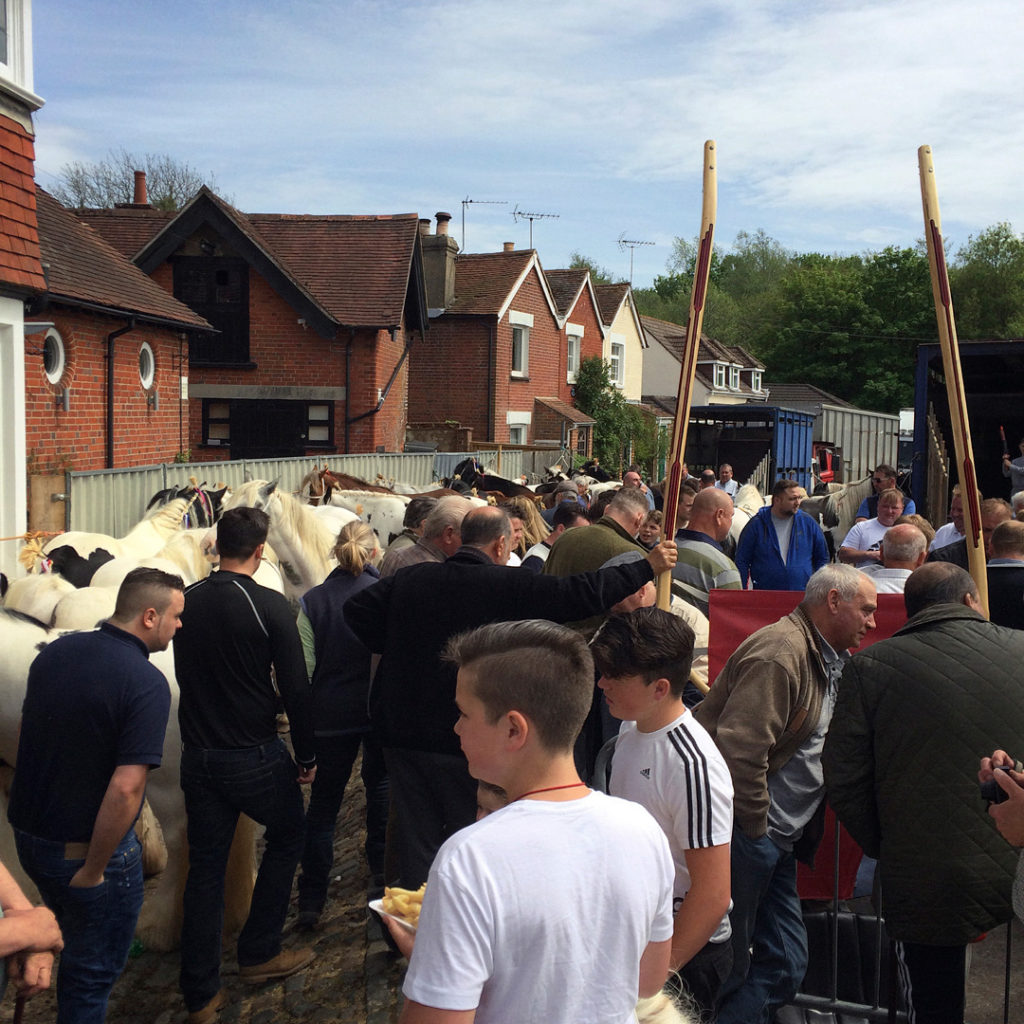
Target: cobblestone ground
(354,979)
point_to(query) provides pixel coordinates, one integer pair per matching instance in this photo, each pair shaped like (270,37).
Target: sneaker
(284,965)
(208,1014)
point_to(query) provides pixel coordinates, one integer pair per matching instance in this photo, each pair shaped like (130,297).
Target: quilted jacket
(914,715)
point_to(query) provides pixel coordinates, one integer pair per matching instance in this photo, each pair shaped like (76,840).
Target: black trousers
(932,979)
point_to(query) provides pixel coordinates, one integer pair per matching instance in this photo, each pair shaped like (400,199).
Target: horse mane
(344,482)
(168,517)
(750,499)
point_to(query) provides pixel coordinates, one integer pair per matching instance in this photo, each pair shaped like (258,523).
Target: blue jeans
(335,756)
(97,923)
(218,786)
(769,941)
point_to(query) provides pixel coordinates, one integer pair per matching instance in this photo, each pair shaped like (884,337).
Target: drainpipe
(387,387)
(348,383)
(492,384)
(111,338)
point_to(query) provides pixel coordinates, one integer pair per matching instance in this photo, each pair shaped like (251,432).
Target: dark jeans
(218,786)
(766,916)
(702,977)
(335,756)
(932,979)
(97,923)
(434,796)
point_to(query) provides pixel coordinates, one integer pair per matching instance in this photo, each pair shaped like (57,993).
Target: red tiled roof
(483,281)
(565,286)
(84,268)
(566,411)
(20,265)
(127,229)
(609,298)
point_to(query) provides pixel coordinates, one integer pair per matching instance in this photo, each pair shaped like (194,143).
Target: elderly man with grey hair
(441,538)
(768,712)
(903,548)
(912,716)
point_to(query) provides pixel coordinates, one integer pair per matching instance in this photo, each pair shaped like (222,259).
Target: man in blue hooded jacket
(781,547)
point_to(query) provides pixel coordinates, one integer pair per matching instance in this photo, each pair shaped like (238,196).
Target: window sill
(525,377)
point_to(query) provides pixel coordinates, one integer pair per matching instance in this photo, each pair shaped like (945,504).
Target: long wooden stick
(954,375)
(688,368)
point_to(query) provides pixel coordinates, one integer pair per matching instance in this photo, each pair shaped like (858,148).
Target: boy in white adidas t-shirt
(558,907)
(665,760)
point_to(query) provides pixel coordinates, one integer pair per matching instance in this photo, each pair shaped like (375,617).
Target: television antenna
(630,244)
(478,202)
(518,215)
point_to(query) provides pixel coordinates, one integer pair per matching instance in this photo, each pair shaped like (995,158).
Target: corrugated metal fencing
(112,501)
(867,439)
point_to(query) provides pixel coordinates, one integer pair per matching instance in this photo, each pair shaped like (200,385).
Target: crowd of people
(594,825)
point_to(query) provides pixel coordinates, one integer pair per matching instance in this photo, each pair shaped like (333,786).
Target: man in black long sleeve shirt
(409,617)
(233,633)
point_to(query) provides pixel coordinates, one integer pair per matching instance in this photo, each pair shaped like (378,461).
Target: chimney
(508,246)
(141,196)
(424,226)
(439,252)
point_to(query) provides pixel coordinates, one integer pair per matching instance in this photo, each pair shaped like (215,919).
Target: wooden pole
(688,368)
(954,375)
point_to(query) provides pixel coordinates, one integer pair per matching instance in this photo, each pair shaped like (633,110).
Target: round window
(147,365)
(53,357)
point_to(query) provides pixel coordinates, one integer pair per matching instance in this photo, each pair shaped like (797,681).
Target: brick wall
(586,316)
(58,440)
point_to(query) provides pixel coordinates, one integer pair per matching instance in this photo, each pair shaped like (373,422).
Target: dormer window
(719,375)
(734,378)
(755,381)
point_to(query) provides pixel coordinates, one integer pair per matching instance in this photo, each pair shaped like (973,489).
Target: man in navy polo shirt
(92,726)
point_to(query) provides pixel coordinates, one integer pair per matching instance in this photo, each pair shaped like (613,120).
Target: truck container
(993,376)
(762,443)
(858,439)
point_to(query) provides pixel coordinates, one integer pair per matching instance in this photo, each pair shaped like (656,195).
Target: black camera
(991,790)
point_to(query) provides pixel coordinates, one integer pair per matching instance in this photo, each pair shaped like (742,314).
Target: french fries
(404,903)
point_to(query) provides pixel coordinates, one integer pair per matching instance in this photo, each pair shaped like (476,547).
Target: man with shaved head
(903,548)
(703,566)
(1006,575)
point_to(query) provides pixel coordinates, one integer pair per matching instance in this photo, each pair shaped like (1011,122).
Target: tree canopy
(170,183)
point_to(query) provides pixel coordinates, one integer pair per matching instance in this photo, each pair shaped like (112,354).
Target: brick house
(625,340)
(316,317)
(103,367)
(582,327)
(497,359)
(21,270)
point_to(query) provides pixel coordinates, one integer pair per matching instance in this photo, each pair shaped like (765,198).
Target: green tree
(598,274)
(170,183)
(622,432)
(987,284)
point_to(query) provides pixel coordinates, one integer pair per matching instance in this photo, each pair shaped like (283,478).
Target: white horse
(385,513)
(160,922)
(836,510)
(303,543)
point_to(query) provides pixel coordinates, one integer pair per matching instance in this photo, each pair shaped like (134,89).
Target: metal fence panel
(112,501)
(867,439)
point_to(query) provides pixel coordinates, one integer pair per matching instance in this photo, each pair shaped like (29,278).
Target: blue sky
(596,111)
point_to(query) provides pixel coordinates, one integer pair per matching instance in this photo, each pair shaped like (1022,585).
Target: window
(218,290)
(517,434)
(53,355)
(268,427)
(320,424)
(734,378)
(521,324)
(583,441)
(719,375)
(147,366)
(217,425)
(572,364)
(618,364)
(756,380)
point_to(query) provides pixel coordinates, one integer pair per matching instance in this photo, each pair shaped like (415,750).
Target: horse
(21,639)
(304,544)
(204,507)
(472,477)
(836,510)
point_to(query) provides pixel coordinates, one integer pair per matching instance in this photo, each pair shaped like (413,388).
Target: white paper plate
(377,906)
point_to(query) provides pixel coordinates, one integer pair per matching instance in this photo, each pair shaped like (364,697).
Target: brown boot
(284,965)
(208,1014)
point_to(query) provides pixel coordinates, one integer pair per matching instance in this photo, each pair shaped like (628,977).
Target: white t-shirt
(540,913)
(945,534)
(887,581)
(678,774)
(865,536)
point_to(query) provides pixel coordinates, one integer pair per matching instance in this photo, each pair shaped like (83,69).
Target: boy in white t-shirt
(557,907)
(665,760)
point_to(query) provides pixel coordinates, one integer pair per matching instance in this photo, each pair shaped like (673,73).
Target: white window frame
(521,324)
(719,375)
(755,380)
(618,363)
(147,375)
(573,351)
(517,433)
(734,378)
(56,342)
(518,426)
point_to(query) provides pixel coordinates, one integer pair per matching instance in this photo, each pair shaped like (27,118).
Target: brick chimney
(439,252)
(508,246)
(141,196)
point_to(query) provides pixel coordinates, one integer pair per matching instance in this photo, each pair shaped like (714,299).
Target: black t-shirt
(93,702)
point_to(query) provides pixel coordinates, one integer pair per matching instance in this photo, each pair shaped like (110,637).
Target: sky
(595,111)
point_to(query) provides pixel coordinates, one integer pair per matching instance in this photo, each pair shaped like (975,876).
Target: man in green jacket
(914,713)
